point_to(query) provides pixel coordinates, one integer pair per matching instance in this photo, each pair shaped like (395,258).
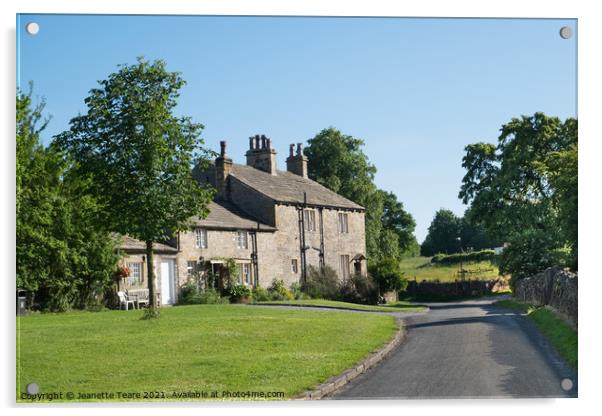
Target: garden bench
(139,296)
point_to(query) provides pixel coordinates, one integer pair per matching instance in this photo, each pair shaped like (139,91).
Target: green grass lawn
(193,348)
(560,334)
(421,268)
(390,307)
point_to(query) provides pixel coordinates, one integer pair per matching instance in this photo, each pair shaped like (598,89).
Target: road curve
(469,349)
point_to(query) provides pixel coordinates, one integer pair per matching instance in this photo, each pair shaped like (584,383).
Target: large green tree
(138,155)
(526,185)
(474,236)
(443,234)
(337,161)
(63,259)
(397,220)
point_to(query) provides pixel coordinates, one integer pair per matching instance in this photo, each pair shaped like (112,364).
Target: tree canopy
(138,155)
(526,185)
(443,234)
(337,161)
(64,259)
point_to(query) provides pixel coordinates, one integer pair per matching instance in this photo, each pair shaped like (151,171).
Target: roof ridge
(288,187)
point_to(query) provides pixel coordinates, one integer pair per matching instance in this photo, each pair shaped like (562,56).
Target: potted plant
(239,294)
(122,272)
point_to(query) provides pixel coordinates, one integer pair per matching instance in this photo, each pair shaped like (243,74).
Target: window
(201,238)
(191,267)
(245,274)
(294,266)
(242,239)
(343,223)
(309,217)
(135,277)
(345,266)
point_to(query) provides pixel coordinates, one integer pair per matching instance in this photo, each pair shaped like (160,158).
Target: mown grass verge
(560,334)
(199,348)
(400,306)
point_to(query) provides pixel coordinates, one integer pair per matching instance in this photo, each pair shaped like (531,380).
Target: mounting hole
(566,384)
(32,388)
(32,28)
(566,32)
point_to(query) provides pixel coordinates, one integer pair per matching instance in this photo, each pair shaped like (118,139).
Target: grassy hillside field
(421,268)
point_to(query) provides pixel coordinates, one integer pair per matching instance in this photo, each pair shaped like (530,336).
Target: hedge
(463,257)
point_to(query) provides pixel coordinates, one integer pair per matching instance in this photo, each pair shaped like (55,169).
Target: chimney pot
(251,139)
(261,155)
(222,146)
(297,163)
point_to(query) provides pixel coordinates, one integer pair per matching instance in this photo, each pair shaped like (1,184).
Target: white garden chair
(124,300)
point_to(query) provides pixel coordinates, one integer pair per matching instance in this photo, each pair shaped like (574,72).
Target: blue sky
(415,90)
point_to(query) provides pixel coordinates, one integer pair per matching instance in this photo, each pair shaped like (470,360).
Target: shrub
(278,291)
(531,252)
(297,292)
(359,288)
(388,275)
(191,295)
(211,296)
(323,284)
(239,291)
(260,294)
(150,314)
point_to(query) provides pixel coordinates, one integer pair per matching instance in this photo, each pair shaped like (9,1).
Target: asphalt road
(468,349)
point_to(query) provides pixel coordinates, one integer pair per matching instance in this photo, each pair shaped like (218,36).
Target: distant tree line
(449,234)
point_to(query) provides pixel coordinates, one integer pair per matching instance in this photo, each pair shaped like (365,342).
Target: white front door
(167,282)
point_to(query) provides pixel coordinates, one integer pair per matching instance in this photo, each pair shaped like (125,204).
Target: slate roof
(131,244)
(287,187)
(225,215)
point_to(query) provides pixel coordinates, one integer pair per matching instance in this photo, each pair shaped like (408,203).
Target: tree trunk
(152,302)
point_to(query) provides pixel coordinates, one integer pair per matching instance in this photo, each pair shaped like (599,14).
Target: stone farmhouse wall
(276,250)
(220,243)
(553,287)
(276,253)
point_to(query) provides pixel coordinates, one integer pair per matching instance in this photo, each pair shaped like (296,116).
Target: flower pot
(240,299)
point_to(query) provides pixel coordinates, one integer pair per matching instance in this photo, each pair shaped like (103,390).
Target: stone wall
(459,288)
(554,287)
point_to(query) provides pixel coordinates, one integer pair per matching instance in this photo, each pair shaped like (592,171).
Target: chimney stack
(261,155)
(223,167)
(297,163)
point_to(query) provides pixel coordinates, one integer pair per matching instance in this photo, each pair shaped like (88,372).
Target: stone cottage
(274,224)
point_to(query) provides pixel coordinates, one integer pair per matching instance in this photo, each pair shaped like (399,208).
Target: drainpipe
(302,247)
(254,258)
(321,240)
